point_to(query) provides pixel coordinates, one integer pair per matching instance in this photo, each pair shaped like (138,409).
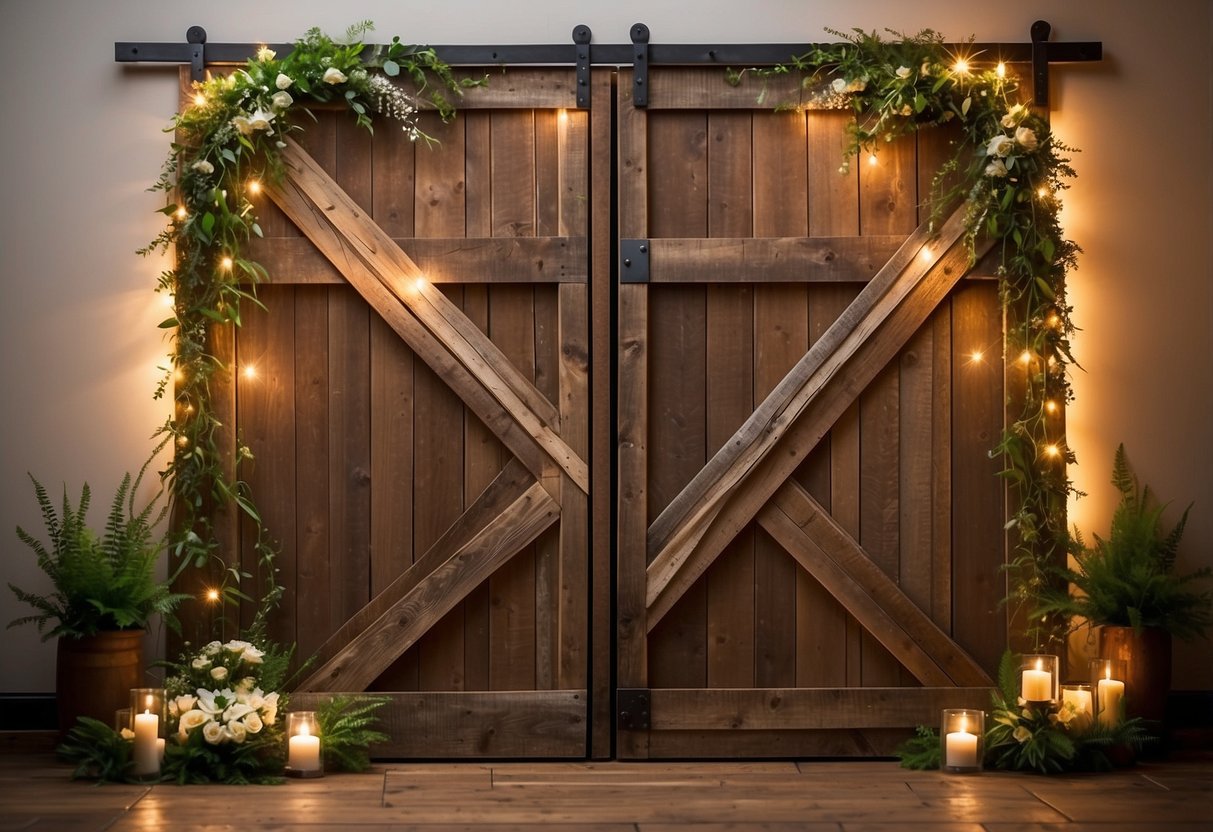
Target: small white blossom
(219,673)
(252,723)
(185,702)
(281,100)
(999,146)
(903,72)
(265,54)
(333,75)
(1025,137)
(1014,116)
(235,731)
(283,81)
(200,663)
(205,168)
(190,720)
(996,168)
(251,655)
(1021,734)
(213,733)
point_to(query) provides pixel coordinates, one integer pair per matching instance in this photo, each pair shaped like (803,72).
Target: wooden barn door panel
(419,413)
(794,402)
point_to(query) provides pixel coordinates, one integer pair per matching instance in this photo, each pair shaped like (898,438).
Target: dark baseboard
(28,712)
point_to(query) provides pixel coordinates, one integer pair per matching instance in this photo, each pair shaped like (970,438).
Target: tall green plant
(1128,579)
(103,581)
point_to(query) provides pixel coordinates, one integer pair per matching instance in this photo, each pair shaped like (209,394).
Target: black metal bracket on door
(633,261)
(633,709)
(640,54)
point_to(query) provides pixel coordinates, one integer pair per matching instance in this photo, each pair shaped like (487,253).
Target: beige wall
(81,139)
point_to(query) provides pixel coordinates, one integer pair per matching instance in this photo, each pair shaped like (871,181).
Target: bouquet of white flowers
(223,706)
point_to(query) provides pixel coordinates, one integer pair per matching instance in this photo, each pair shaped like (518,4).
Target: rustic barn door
(416,397)
(809,526)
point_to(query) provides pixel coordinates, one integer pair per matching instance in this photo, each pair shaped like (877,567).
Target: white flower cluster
(235,707)
(391,101)
(1002,146)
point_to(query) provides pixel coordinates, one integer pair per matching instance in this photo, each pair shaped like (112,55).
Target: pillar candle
(304,751)
(1037,684)
(961,750)
(1109,693)
(147,750)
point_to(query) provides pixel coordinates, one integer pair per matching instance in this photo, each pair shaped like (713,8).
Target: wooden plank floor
(861,796)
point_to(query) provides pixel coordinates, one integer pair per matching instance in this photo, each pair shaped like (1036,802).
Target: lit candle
(1109,694)
(304,752)
(147,750)
(961,748)
(1037,684)
(1079,698)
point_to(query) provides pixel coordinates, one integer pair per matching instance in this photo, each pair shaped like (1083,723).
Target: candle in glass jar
(1037,684)
(961,748)
(1109,694)
(147,749)
(304,750)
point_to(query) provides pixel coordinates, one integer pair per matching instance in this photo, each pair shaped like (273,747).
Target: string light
(1053,321)
(254,187)
(961,66)
(212,595)
(1025,357)
(1001,70)
(1050,406)
(1042,192)
(925,254)
(250,372)
(419,283)
(183,441)
(200,99)
(872,159)
(563,116)
(226,263)
(977,355)
(1052,451)
(181,213)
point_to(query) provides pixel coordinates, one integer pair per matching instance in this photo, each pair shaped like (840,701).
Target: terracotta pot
(94,675)
(1148,655)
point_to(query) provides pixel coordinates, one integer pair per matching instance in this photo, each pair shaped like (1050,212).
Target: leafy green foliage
(347,730)
(97,751)
(922,751)
(1128,579)
(103,581)
(259,759)
(231,138)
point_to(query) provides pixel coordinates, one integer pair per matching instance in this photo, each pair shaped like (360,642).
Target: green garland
(1011,169)
(226,144)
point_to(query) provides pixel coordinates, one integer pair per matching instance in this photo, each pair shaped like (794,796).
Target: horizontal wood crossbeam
(799,412)
(469,724)
(433,327)
(757,709)
(458,568)
(770,259)
(463,260)
(839,563)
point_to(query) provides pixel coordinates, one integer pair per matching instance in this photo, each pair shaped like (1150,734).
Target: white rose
(235,731)
(333,75)
(252,655)
(245,128)
(219,673)
(235,712)
(245,687)
(1025,137)
(190,720)
(1014,116)
(269,709)
(265,54)
(903,72)
(252,722)
(200,663)
(127,734)
(235,646)
(996,168)
(283,81)
(212,648)
(839,85)
(281,100)
(1000,146)
(213,733)
(203,167)
(185,703)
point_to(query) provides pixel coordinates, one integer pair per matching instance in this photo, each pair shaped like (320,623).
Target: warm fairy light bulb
(212,595)
(1054,320)
(250,371)
(977,355)
(872,159)
(1025,357)
(1042,192)
(925,254)
(419,283)
(183,441)
(178,375)
(1052,451)
(562,116)
(226,263)
(1050,406)
(181,213)
(961,65)
(1001,70)
(254,187)
(168,301)
(200,99)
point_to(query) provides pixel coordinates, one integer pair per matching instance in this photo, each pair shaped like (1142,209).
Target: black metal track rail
(641,53)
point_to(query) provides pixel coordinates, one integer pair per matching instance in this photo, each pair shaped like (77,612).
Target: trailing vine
(227,143)
(1011,169)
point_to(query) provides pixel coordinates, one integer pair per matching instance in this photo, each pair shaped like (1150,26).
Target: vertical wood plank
(314,589)
(941,468)
(483,452)
(781,334)
(349,404)
(730,396)
(572,578)
(888,189)
(678,201)
(979,584)
(916,486)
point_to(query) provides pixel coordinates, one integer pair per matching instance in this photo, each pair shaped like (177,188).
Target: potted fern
(1127,586)
(104,592)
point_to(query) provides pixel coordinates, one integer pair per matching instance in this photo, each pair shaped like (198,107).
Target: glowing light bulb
(925,254)
(183,441)
(961,65)
(200,99)
(1025,357)
(181,213)
(168,301)
(250,371)
(1054,320)
(1042,192)
(977,355)
(1052,451)
(254,187)
(562,116)
(1050,406)
(226,263)
(872,159)
(1001,70)
(419,283)
(212,595)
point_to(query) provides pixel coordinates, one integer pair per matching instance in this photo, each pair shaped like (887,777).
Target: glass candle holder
(1081,697)
(122,719)
(1038,678)
(303,745)
(147,721)
(962,740)
(1108,681)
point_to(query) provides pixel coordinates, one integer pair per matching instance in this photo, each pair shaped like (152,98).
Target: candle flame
(1107,671)
(148,703)
(964,724)
(305,730)
(1040,664)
